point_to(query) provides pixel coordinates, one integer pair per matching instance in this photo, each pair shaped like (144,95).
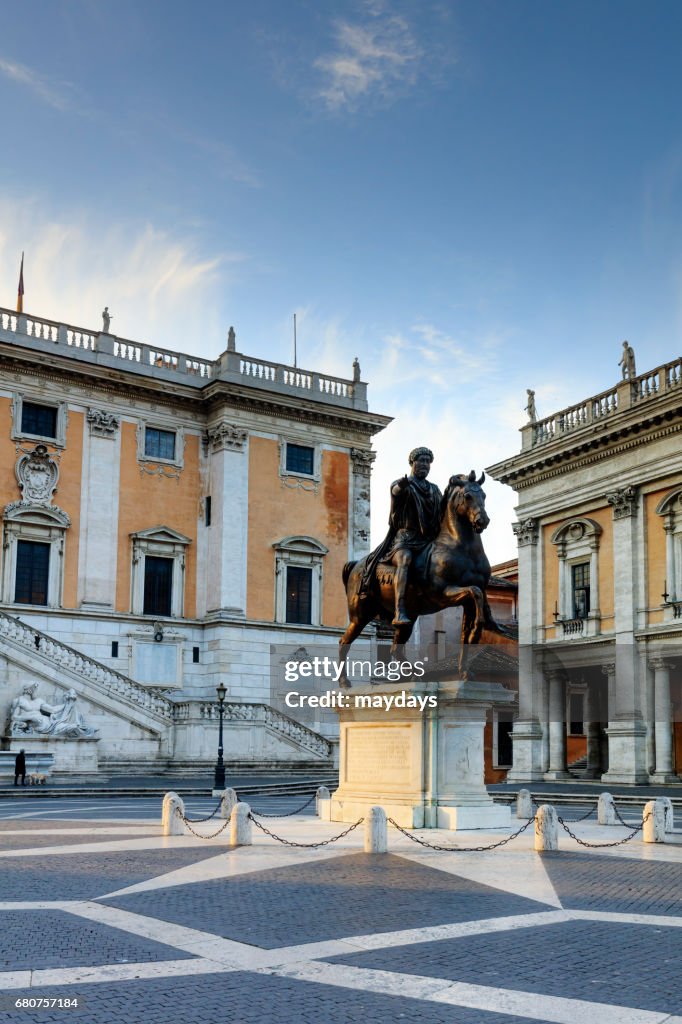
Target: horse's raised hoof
(401,621)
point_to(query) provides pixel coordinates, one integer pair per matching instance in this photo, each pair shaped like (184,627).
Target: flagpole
(20,290)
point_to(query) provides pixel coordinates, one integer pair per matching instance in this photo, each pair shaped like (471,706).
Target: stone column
(358,533)
(227,544)
(626,730)
(592,732)
(527,735)
(557,727)
(101,472)
(663,773)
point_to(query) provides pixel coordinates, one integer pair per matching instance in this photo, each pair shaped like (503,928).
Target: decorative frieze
(103,423)
(227,437)
(526,532)
(623,501)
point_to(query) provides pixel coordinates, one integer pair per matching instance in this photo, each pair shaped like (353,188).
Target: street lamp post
(219,782)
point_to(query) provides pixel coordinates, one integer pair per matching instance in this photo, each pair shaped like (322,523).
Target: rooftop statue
(627,362)
(106,320)
(530,406)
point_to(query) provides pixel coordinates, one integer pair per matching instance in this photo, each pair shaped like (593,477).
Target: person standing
(20,768)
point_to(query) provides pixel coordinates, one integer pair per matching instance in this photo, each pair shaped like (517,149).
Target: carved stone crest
(103,423)
(37,474)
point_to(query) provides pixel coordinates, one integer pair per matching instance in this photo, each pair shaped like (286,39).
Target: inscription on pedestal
(378,754)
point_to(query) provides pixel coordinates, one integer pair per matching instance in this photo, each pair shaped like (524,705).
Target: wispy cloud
(57,94)
(161,287)
(376,57)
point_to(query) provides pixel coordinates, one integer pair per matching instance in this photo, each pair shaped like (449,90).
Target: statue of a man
(356,370)
(530,407)
(414,521)
(106,320)
(628,362)
(31,714)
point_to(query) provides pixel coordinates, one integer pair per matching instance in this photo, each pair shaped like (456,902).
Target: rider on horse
(413,523)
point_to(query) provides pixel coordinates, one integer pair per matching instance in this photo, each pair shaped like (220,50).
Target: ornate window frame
(306,553)
(17,434)
(42,524)
(172,428)
(577,541)
(159,542)
(292,478)
(670,511)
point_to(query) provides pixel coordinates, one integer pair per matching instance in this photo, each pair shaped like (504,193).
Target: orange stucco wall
(604,517)
(8,482)
(68,497)
(655,553)
(147,501)
(277,511)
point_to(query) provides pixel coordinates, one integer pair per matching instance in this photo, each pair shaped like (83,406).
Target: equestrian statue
(431,558)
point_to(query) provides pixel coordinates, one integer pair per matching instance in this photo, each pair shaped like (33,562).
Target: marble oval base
(78,756)
(424,765)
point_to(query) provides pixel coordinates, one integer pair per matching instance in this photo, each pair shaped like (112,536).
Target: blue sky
(474,198)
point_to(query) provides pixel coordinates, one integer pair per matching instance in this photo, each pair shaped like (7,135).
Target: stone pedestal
(76,756)
(423,766)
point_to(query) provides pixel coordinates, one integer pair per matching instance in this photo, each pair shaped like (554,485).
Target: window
(33,541)
(40,420)
(195,655)
(159,444)
(114,648)
(581,590)
(298,580)
(158,576)
(299,594)
(158,585)
(32,575)
(207,510)
(503,745)
(576,712)
(37,418)
(300,459)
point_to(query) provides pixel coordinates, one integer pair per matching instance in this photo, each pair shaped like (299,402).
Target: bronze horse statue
(451,570)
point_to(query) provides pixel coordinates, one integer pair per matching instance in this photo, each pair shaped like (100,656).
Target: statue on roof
(627,362)
(530,406)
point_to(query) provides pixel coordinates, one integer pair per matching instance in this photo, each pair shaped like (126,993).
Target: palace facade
(165,520)
(600,585)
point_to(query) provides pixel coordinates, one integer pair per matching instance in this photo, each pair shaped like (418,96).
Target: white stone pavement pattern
(514,872)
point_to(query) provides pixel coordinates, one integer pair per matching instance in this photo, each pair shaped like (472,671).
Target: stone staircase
(39,653)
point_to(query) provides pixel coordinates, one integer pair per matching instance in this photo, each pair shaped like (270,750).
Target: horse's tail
(347,570)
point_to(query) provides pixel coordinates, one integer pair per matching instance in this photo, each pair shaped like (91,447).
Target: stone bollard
(228,800)
(669,813)
(653,830)
(240,826)
(606,810)
(524,804)
(321,794)
(171,820)
(376,837)
(546,828)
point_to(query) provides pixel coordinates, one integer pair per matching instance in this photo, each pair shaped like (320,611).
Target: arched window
(670,510)
(298,580)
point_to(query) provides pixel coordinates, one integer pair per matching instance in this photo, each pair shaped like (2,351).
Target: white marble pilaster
(228,536)
(98,541)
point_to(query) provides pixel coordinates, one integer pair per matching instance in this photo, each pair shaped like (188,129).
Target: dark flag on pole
(20,293)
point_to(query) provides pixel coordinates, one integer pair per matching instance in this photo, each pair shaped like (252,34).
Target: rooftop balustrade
(108,350)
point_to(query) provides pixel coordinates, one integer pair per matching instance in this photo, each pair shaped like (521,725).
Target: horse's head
(465,499)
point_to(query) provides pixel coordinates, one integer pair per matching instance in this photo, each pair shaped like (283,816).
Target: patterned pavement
(141,928)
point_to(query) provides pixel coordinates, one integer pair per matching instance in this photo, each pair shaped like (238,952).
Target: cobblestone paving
(624,965)
(241,998)
(347,895)
(585,882)
(87,875)
(34,840)
(54,938)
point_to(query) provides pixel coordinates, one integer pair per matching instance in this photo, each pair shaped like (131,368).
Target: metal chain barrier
(308,846)
(288,814)
(584,817)
(620,819)
(195,821)
(460,849)
(594,846)
(198,834)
